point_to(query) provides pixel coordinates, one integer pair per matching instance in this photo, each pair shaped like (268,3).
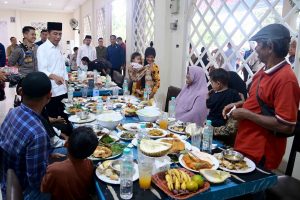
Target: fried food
(171,135)
(178,128)
(155,132)
(196,163)
(177,145)
(241,165)
(102,152)
(73,110)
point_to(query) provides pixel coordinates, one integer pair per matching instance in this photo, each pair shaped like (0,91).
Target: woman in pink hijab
(191,101)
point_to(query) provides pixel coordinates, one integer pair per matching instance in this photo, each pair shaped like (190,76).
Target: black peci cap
(273,32)
(51,26)
(88,37)
(36,84)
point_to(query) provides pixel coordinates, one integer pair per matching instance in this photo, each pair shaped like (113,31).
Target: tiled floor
(7,103)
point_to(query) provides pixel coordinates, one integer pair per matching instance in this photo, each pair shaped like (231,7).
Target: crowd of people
(36,132)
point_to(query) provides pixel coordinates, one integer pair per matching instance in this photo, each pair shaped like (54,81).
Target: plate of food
(129,110)
(109,172)
(80,120)
(72,110)
(106,152)
(108,139)
(119,105)
(180,183)
(174,135)
(245,165)
(156,132)
(196,160)
(126,135)
(149,124)
(177,128)
(178,145)
(133,127)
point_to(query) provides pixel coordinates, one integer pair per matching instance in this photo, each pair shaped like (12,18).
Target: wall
(24,18)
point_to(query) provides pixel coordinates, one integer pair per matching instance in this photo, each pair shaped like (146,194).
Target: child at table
(220,96)
(73,178)
(144,75)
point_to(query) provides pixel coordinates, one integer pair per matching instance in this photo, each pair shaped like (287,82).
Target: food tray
(159,180)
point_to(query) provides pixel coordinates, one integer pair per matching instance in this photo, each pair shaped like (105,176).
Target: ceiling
(42,5)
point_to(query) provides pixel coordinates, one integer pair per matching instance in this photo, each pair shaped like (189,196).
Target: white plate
(105,179)
(154,137)
(202,156)
(250,164)
(120,133)
(188,146)
(111,157)
(170,129)
(134,142)
(154,125)
(66,112)
(76,119)
(129,127)
(115,106)
(116,138)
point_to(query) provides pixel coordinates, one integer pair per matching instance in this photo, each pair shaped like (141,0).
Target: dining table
(238,184)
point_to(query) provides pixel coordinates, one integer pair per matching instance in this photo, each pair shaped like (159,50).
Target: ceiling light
(5,2)
(49,4)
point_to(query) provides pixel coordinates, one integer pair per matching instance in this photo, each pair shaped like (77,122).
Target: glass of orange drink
(163,122)
(145,172)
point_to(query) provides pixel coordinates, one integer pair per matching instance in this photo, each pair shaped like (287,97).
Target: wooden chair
(13,187)
(287,187)
(172,92)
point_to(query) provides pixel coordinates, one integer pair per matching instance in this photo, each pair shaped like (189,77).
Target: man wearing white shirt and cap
(86,50)
(52,62)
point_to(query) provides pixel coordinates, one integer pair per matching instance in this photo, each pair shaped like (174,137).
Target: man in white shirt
(86,50)
(51,61)
(230,54)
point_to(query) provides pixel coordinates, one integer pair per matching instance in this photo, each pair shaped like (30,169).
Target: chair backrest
(295,148)
(118,78)
(172,92)
(13,187)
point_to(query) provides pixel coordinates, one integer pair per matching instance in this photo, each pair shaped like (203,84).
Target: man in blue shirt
(115,55)
(24,142)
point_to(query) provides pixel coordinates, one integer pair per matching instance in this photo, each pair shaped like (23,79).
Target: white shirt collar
(272,69)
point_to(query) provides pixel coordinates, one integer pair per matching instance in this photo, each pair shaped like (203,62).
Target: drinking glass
(163,121)
(115,92)
(196,136)
(145,171)
(85,91)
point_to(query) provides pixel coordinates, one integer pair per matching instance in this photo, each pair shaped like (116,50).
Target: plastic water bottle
(126,174)
(207,137)
(107,81)
(99,106)
(146,93)
(172,104)
(125,88)
(70,94)
(109,104)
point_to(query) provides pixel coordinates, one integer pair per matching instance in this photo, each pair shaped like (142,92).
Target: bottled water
(107,81)
(126,174)
(99,106)
(125,88)
(70,94)
(172,104)
(109,104)
(142,134)
(95,92)
(207,137)
(146,93)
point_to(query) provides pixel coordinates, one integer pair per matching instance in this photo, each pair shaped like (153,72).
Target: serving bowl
(232,155)
(148,115)
(109,120)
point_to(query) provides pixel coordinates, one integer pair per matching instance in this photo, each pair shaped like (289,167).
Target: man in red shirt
(277,86)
